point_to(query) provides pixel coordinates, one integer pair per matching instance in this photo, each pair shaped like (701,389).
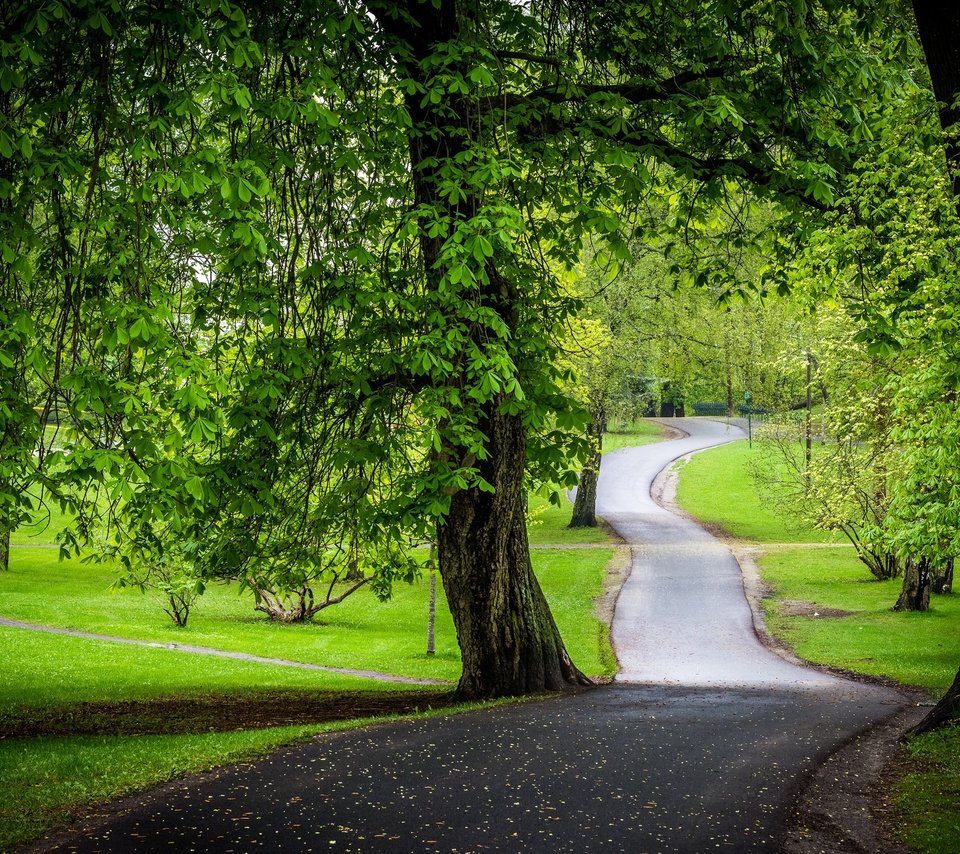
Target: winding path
(682,617)
(699,745)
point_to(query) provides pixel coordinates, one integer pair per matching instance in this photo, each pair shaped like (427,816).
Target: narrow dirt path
(701,745)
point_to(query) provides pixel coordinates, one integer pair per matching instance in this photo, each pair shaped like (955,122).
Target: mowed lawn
(917,649)
(46,780)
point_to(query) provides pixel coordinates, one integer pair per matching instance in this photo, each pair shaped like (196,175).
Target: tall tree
(938,24)
(298,256)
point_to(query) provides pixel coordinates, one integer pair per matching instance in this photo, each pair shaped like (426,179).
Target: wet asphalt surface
(699,746)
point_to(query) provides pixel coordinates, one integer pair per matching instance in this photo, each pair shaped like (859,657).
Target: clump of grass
(928,799)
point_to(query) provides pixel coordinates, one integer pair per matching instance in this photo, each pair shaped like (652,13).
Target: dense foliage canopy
(292,271)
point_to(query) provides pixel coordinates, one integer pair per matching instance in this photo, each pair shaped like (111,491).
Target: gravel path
(701,745)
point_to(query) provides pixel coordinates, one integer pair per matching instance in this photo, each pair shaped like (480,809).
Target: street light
(747,397)
(808,450)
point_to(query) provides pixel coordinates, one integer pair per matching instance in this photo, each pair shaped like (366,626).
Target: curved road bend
(698,746)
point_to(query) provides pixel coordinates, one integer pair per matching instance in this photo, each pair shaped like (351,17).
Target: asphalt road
(699,746)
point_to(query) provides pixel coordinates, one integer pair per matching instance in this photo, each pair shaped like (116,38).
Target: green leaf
(194,486)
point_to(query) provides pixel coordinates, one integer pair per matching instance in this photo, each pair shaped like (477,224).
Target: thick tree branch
(527,57)
(633,92)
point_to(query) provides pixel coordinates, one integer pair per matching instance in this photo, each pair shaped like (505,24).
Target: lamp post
(808,449)
(747,397)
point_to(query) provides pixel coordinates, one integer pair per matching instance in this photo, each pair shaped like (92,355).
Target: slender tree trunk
(808,443)
(353,559)
(943,578)
(508,639)
(432,607)
(4,549)
(728,363)
(917,581)
(585,505)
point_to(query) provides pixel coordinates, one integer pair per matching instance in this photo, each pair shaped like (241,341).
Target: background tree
(597,362)
(299,259)
(844,485)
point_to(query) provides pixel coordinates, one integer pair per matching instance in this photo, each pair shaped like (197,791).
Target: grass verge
(828,607)
(50,683)
(631,434)
(927,798)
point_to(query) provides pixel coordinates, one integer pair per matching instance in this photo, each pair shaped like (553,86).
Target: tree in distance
(291,266)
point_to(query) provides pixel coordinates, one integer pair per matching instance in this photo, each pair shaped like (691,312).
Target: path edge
(842,804)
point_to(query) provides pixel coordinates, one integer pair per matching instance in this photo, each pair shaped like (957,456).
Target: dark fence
(709,408)
(715,408)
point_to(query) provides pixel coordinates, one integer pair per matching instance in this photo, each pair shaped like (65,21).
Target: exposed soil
(800,608)
(845,806)
(216,713)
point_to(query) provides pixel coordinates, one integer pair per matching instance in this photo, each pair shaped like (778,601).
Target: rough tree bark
(4,549)
(508,640)
(917,582)
(585,505)
(938,22)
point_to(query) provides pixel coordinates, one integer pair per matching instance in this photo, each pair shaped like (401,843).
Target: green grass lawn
(918,649)
(44,780)
(716,486)
(361,632)
(547,523)
(630,435)
(926,800)
(914,648)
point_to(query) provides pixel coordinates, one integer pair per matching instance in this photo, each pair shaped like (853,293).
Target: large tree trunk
(4,549)
(585,504)
(947,710)
(938,23)
(917,581)
(508,639)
